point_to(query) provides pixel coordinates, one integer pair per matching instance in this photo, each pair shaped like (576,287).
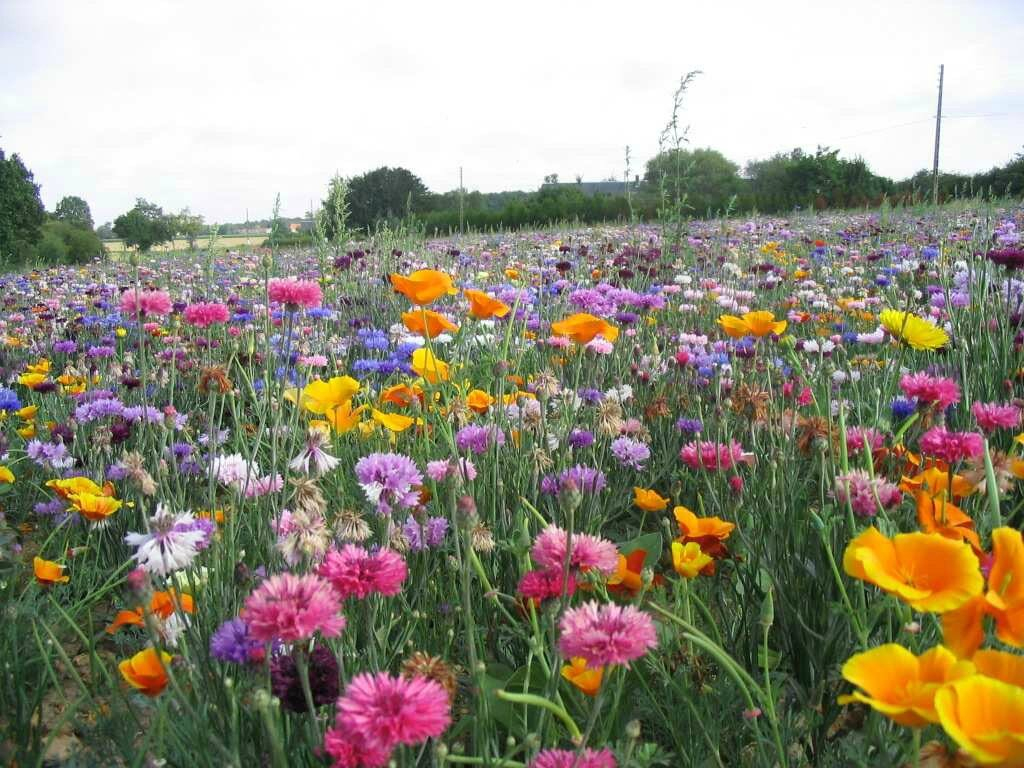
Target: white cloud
(220,105)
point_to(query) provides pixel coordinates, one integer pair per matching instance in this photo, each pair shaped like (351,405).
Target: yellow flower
(752,324)
(6,476)
(913,330)
(27,413)
(899,684)
(396,422)
(31,380)
(428,366)
(94,507)
(985,717)
(587,679)
(648,500)
(28,431)
(689,559)
(321,396)
(343,418)
(43,367)
(121,332)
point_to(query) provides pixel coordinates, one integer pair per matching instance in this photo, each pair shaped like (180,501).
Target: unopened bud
(767,610)
(633,729)
(569,497)
(465,509)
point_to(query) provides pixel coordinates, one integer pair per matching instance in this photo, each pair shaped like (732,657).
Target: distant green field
(224,241)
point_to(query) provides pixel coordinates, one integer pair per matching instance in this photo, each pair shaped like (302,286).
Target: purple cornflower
(690,426)
(580,438)
(65,347)
(477,439)
(422,536)
(232,642)
(630,453)
(585,480)
(388,480)
(101,351)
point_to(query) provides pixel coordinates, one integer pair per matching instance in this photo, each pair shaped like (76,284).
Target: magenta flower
(708,455)
(566,758)
(205,314)
(993,416)
(951,447)
(859,438)
(295,293)
(388,710)
(549,551)
(860,489)
(355,572)
(931,390)
(542,585)
(606,634)
(145,303)
(290,607)
(351,750)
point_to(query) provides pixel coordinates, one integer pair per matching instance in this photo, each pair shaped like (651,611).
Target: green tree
(708,178)
(74,210)
(21,211)
(383,194)
(105,231)
(188,225)
(144,226)
(64,242)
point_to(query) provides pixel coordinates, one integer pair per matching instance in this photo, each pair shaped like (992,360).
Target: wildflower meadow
(742,492)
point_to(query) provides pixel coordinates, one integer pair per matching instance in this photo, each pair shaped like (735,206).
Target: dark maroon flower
(323,679)
(1011,258)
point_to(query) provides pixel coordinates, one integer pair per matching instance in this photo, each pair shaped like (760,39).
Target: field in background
(180,244)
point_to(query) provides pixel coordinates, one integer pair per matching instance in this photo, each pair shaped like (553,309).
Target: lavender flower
(389,480)
(630,453)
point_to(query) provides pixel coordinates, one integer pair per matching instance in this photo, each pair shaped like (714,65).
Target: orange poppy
(163,605)
(401,395)
(427,323)
(627,577)
(425,286)
(49,572)
(95,507)
(479,401)
(751,324)
(927,571)
(583,327)
(66,487)
(937,483)
(946,519)
(963,630)
(694,527)
(344,417)
(985,717)
(146,671)
(484,307)
(899,684)
(1008,667)
(587,679)
(648,500)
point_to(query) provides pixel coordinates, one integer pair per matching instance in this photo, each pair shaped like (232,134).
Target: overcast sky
(220,105)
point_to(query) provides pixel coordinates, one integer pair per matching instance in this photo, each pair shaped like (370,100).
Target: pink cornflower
(709,455)
(287,607)
(931,390)
(860,489)
(857,438)
(295,293)
(566,758)
(388,710)
(951,447)
(145,303)
(606,634)
(205,314)
(261,486)
(355,572)
(600,346)
(351,750)
(549,551)
(545,584)
(993,416)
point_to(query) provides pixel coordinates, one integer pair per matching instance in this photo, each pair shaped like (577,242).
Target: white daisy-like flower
(172,543)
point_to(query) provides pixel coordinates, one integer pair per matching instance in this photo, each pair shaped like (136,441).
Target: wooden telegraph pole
(938,126)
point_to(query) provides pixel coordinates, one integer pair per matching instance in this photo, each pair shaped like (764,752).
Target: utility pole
(938,126)
(462,193)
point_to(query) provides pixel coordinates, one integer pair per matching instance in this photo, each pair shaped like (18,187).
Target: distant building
(591,188)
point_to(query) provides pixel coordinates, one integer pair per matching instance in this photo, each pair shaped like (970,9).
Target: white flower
(170,545)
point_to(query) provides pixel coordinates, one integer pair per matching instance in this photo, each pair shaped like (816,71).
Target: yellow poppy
(689,559)
(6,476)
(49,572)
(752,324)
(396,422)
(27,413)
(66,487)
(913,330)
(321,396)
(31,380)
(424,286)
(927,571)
(583,327)
(93,507)
(484,307)
(428,366)
(587,679)
(899,684)
(648,500)
(344,417)
(985,717)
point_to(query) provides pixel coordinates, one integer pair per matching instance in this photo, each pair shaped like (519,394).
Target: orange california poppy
(1001,665)
(946,519)
(429,367)
(927,571)
(344,417)
(479,401)
(936,483)
(146,671)
(694,527)
(426,322)
(751,324)
(649,500)
(587,679)
(484,307)
(627,577)
(963,630)
(95,507)
(689,560)
(49,572)
(65,487)
(985,717)
(583,327)
(425,286)
(899,684)
(401,395)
